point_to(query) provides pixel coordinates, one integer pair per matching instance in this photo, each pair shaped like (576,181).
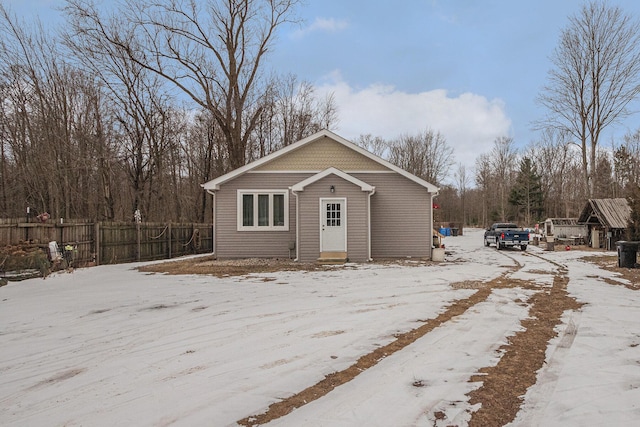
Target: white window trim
(257,227)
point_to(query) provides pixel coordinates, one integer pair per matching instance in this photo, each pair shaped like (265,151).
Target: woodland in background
(543,180)
(89,128)
(526,186)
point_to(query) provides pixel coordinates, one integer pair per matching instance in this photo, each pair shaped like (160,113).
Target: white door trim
(322,210)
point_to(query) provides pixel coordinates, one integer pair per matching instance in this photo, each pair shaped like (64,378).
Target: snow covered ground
(111,346)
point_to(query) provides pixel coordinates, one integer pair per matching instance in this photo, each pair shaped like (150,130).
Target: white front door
(333,225)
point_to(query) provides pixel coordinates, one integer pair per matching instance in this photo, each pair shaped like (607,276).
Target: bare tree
(291,112)
(204,156)
(295,102)
(559,164)
(484,183)
(462,182)
(596,75)
(426,155)
(373,144)
(212,51)
(139,105)
(7,186)
(503,161)
(49,113)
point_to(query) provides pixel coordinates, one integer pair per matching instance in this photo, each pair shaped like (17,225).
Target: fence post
(96,242)
(169,237)
(138,240)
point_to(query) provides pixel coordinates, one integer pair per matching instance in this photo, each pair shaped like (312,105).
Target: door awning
(333,171)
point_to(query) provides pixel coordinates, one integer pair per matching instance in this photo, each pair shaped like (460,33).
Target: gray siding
(357,231)
(400,217)
(231,243)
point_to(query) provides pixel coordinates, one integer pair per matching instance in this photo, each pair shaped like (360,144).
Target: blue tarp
(445,231)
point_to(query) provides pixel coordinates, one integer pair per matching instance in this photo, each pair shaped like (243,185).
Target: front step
(327,258)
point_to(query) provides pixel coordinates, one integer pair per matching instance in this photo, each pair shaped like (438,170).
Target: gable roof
(322,153)
(612,213)
(333,171)
(214,184)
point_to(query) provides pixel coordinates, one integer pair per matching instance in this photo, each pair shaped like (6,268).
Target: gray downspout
(297,225)
(213,216)
(369,222)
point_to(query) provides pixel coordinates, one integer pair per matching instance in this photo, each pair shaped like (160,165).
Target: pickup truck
(504,234)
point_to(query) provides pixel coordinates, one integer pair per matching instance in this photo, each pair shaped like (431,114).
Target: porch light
(332,189)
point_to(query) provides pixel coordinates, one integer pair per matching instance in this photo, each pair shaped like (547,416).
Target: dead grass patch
(468,284)
(607,280)
(541,272)
(211,266)
(611,264)
(224,268)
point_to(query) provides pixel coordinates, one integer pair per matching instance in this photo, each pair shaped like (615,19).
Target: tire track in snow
(423,379)
(499,397)
(504,385)
(550,372)
(365,362)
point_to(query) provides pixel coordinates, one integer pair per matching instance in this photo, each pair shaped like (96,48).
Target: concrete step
(332,258)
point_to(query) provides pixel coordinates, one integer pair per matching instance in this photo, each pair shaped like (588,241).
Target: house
(564,227)
(607,220)
(321,198)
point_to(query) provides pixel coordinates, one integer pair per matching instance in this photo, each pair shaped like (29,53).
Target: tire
(523,247)
(499,246)
(486,242)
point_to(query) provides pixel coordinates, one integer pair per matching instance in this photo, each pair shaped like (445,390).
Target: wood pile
(24,260)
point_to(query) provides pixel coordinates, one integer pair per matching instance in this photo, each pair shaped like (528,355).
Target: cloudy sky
(468,69)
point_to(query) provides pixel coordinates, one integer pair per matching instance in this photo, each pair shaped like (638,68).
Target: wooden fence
(112,242)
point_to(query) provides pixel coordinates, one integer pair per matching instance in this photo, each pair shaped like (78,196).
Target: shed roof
(612,213)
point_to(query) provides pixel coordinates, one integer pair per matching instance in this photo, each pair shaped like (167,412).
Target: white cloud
(329,25)
(469,122)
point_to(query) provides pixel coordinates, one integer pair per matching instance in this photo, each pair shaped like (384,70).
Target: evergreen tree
(603,185)
(526,194)
(633,231)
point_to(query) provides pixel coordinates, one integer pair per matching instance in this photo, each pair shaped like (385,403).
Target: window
(278,210)
(333,215)
(247,210)
(263,210)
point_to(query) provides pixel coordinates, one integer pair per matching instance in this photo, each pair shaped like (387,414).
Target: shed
(606,220)
(322,198)
(564,228)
